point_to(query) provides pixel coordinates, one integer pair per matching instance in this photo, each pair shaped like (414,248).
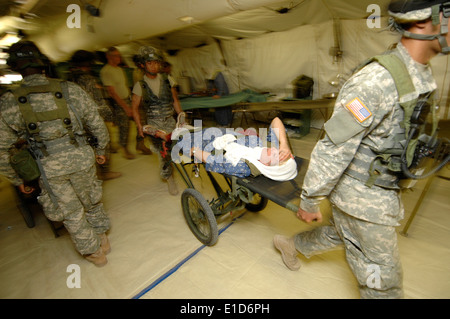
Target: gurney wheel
(199,216)
(257,204)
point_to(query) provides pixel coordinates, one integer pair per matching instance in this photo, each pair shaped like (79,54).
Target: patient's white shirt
(235,152)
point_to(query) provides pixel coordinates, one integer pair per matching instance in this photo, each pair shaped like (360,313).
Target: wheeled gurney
(251,193)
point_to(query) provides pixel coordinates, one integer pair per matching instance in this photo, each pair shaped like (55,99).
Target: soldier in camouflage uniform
(159,102)
(70,190)
(81,63)
(367,115)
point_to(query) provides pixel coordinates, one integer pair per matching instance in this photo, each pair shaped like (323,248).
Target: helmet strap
(148,72)
(445,48)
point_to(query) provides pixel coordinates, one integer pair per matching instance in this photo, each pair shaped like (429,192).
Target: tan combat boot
(104,176)
(142,148)
(98,258)
(105,245)
(288,252)
(172,186)
(127,154)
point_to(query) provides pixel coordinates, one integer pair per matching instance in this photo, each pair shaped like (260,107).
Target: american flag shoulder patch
(359,110)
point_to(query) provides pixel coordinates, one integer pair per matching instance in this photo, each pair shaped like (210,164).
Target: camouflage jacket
(368,112)
(64,158)
(92,87)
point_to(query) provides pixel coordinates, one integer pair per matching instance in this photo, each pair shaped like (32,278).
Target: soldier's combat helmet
(28,53)
(82,58)
(147,54)
(406,11)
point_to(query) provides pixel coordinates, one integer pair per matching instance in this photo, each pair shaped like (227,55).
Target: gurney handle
(292,207)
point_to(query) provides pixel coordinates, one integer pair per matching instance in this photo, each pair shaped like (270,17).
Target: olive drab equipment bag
(23,162)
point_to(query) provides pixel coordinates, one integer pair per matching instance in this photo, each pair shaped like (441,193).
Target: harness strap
(383,167)
(31,117)
(372,171)
(403,84)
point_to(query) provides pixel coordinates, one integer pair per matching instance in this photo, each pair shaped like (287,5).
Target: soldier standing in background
(368,119)
(51,116)
(114,79)
(81,63)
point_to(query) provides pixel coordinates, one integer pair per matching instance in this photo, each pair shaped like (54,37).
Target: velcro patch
(359,110)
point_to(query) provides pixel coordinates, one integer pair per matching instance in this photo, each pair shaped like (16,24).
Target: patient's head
(270,156)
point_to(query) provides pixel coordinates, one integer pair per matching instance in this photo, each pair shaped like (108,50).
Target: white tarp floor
(155,255)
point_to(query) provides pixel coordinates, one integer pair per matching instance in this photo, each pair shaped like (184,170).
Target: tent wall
(270,62)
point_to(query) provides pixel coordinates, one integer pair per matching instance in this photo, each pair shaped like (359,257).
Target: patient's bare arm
(280,131)
(200,154)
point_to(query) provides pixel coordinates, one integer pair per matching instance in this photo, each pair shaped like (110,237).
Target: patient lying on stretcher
(239,154)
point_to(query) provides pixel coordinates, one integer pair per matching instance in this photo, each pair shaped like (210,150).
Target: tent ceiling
(266,19)
(158,22)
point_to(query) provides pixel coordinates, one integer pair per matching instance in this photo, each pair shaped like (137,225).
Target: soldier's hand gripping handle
(26,189)
(309,217)
(101,159)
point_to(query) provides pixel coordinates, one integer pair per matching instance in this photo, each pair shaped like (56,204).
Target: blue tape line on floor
(177,266)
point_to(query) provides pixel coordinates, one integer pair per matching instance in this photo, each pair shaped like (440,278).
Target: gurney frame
(251,193)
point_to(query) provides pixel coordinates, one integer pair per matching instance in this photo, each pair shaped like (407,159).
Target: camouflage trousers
(164,148)
(78,199)
(371,252)
(122,121)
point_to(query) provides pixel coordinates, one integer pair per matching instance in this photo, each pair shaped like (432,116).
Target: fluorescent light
(9,39)
(10,78)
(186,19)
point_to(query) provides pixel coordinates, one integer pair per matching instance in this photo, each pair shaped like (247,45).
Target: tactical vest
(157,107)
(59,91)
(384,168)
